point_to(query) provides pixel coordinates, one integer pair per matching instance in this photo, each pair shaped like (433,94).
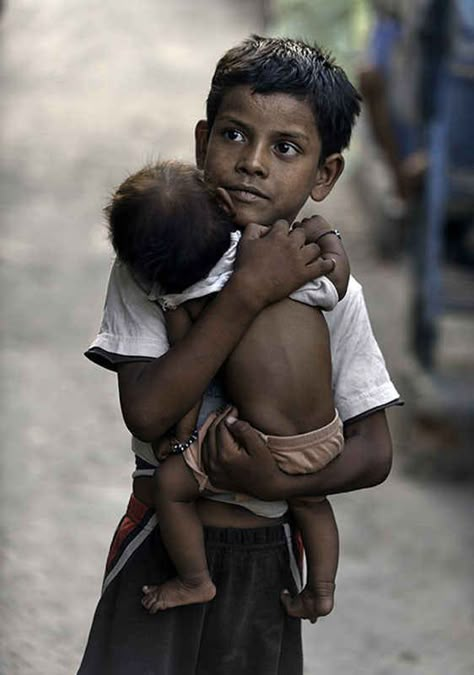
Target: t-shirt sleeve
(320,292)
(132,327)
(361,382)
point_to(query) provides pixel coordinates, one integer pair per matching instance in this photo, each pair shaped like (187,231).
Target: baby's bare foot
(313,601)
(324,604)
(176,592)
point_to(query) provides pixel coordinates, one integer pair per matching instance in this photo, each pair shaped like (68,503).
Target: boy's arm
(155,394)
(241,459)
(178,324)
(318,231)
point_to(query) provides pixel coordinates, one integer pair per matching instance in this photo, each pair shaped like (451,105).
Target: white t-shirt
(320,292)
(133,325)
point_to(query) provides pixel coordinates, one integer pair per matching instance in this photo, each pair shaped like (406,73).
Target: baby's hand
(313,227)
(311,603)
(321,234)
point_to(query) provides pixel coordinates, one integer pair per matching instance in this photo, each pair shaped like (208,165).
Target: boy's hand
(236,458)
(273,262)
(162,448)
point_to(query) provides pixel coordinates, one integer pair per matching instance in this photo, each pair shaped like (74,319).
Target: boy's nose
(253,161)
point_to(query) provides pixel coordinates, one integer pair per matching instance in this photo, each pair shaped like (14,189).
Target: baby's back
(279,375)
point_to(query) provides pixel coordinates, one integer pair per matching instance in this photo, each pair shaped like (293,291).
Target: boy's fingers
(245,435)
(280,227)
(210,438)
(328,265)
(298,236)
(311,252)
(214,444)
(255,231)
(319,267)
(229,447)
(331,260)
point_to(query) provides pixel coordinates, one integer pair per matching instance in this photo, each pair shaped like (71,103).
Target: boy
(177,238)
(276,124)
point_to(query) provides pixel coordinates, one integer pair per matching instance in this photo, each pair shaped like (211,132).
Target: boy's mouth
(246,193)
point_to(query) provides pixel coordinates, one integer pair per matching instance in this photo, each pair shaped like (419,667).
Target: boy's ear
(327,176)
(201,135)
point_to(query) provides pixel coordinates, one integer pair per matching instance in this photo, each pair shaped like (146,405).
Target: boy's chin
(241,220)
(267,217)
(242,224)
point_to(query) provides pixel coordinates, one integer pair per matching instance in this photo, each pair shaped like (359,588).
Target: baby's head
(167,226)
(283,65)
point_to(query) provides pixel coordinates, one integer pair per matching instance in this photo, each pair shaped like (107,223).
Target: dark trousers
(243,631)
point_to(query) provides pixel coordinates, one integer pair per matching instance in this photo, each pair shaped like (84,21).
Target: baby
(177,237)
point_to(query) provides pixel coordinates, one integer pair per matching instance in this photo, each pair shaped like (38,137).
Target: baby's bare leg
(182,534)
(318,527)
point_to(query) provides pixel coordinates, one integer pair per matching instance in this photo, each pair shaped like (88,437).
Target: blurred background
(92,90)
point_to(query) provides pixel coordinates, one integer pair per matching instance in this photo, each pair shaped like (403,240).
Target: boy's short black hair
(166,225)
(283,65)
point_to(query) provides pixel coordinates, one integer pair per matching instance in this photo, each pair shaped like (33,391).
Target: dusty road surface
(90,91)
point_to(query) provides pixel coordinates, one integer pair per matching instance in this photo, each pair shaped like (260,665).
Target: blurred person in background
(388,87)
(446,101)
(418,89)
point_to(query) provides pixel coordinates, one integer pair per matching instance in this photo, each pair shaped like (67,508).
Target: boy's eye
(287,149)
(233,135)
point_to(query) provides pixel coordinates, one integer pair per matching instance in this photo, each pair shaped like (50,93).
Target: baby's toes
(149,600)
(149,589)
(155,606)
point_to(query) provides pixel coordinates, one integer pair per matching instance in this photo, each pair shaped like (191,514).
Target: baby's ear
(224,201)
(327,176)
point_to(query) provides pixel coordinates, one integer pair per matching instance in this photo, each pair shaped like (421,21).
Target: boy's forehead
(281,111)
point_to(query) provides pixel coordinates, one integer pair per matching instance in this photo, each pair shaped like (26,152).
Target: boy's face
(264,149)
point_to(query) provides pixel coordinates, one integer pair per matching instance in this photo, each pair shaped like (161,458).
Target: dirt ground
(89,92)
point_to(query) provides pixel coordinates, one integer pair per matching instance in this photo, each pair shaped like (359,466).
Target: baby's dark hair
(283,65)
(167,226)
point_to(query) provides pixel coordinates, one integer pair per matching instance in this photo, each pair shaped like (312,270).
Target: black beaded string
(177,448)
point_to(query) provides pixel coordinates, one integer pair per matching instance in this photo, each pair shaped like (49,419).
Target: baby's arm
(328,239)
